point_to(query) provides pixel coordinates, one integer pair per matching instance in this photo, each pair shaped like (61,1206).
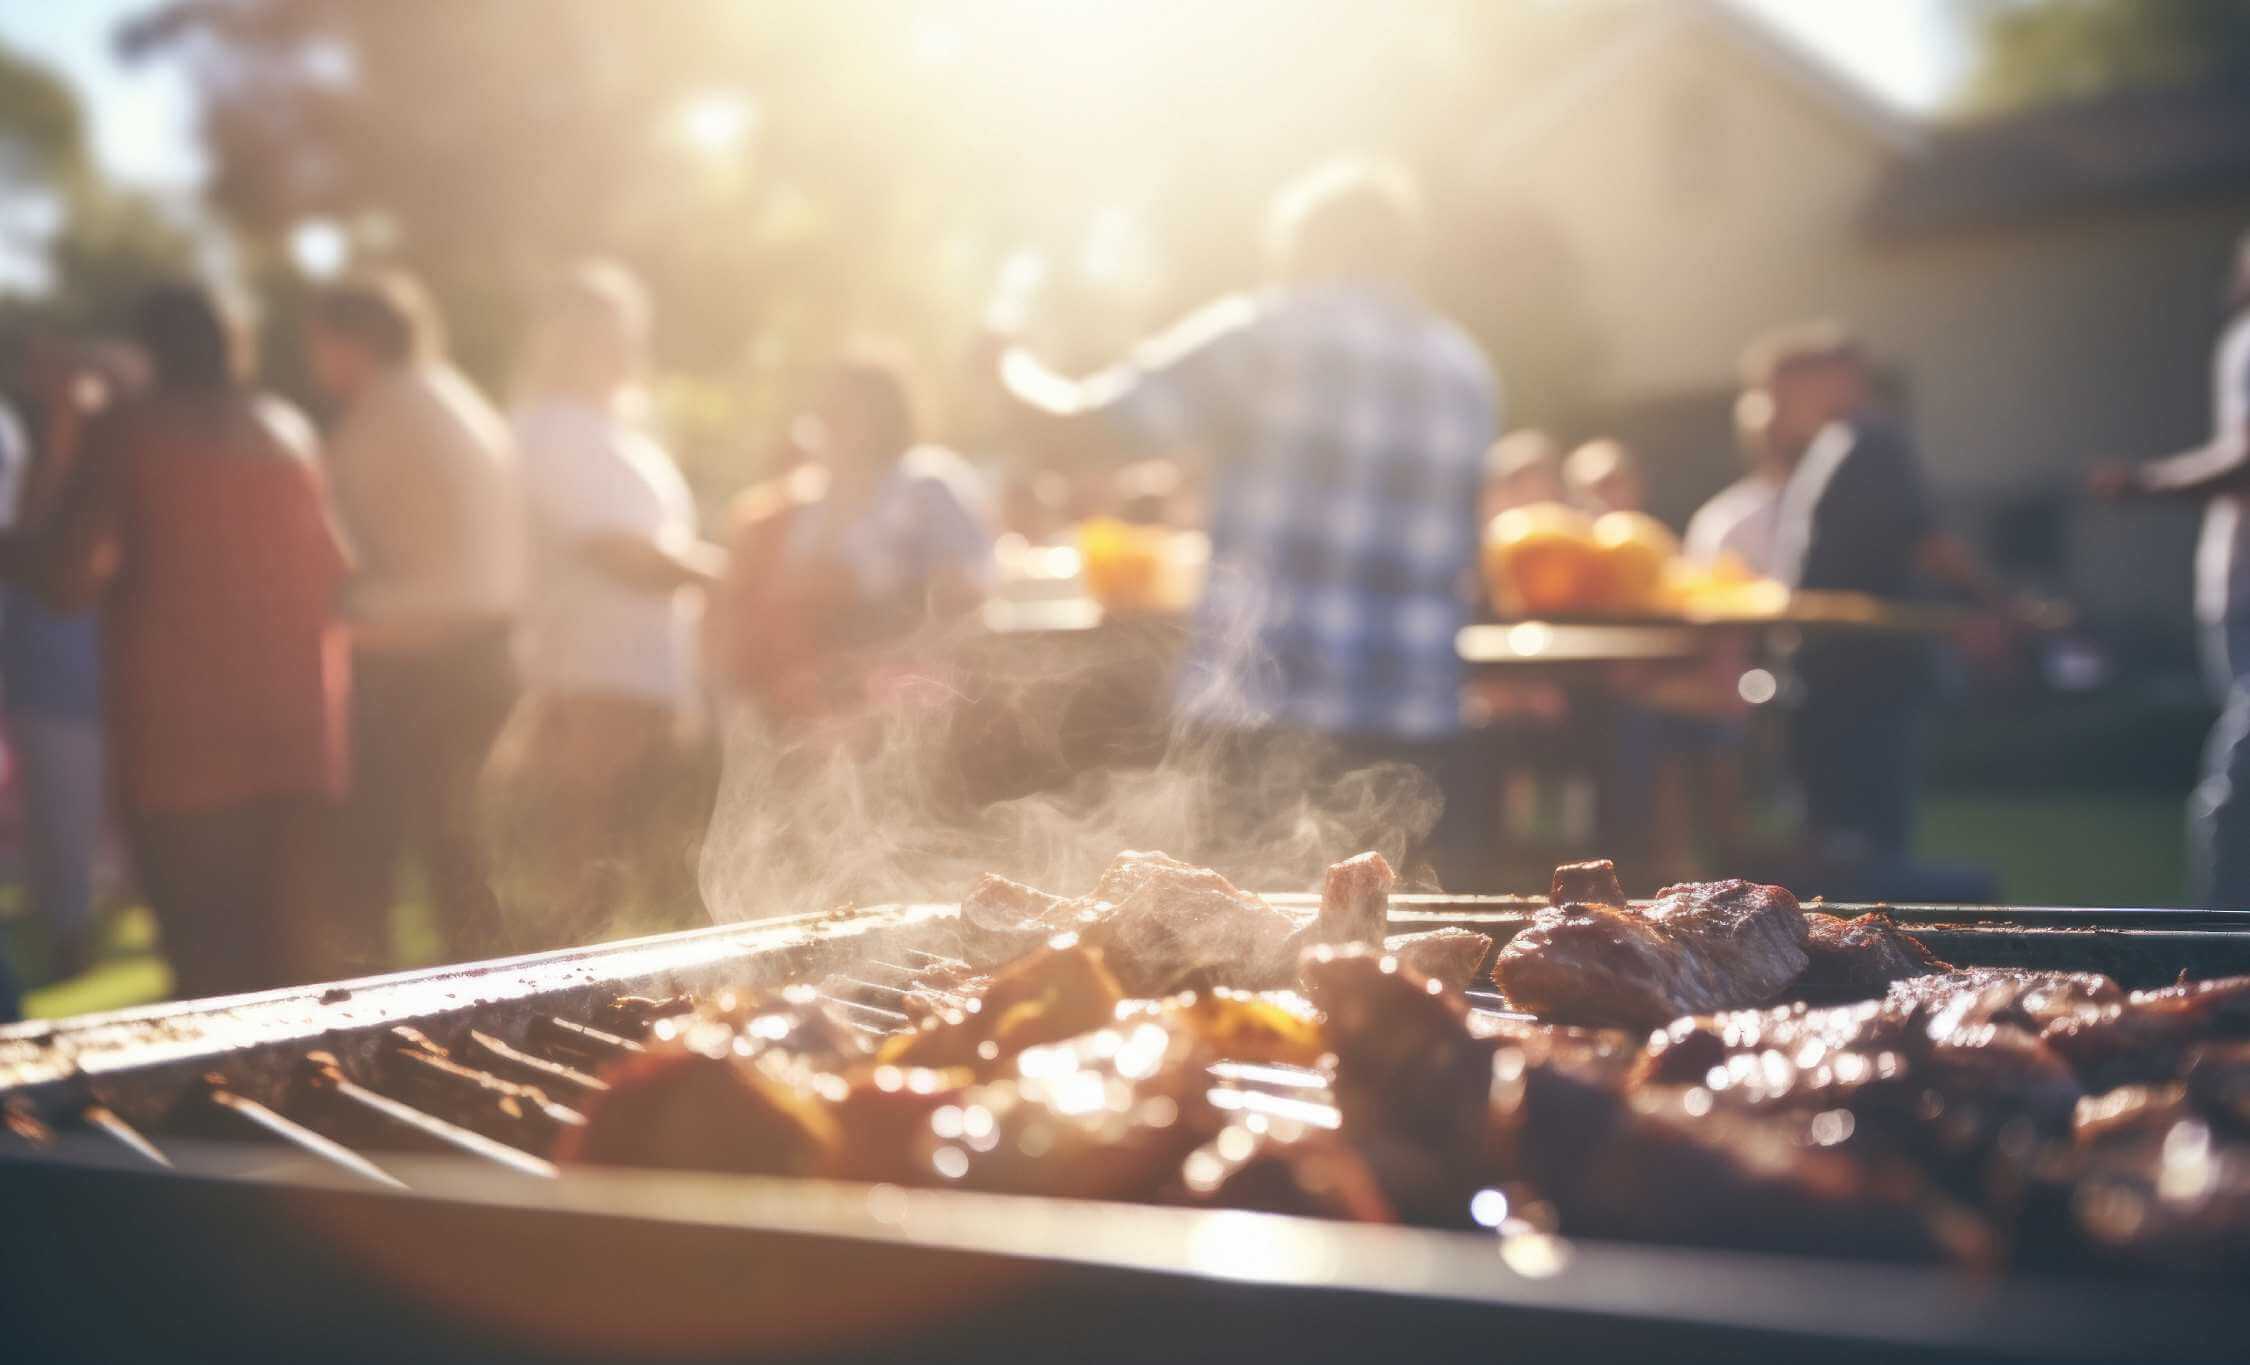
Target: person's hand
(2113,481)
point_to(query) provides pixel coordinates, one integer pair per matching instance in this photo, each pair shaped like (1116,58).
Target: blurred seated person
(195,517)
(426,485)
(1521,468)
(1740,519)
(1345,421)
(838,562)
(1605,476)
(592,754)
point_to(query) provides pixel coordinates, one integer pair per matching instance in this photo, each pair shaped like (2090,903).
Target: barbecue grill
(354,1170)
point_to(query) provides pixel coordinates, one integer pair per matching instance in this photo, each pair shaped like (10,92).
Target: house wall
(2034,352)
(1710,194)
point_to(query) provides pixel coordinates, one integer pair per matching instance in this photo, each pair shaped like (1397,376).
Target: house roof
(1629,33)
(2074,158)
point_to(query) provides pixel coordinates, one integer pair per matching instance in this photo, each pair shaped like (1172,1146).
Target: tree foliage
(2033,52)
(894,154)
(99,246)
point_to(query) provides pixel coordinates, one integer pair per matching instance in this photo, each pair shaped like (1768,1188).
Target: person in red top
(197,521)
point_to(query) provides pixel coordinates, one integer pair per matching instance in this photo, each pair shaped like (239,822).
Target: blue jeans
(60,759)
(2219,808)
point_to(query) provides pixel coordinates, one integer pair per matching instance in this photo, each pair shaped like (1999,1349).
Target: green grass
(2070,848)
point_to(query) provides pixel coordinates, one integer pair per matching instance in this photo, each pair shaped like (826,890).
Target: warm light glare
(716,123)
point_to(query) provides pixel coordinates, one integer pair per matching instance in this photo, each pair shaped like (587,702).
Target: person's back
(588,472)
(227,663)
(426,479)
(1343,516)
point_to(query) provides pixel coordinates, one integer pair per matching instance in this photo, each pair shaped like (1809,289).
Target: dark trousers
(423,723)
(1858,755)
(230,887)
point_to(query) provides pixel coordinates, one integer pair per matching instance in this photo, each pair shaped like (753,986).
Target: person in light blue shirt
(50,695)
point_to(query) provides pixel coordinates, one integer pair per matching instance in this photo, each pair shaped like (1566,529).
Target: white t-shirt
(2222,559)
(15,460)
(1740,520)
(587,473)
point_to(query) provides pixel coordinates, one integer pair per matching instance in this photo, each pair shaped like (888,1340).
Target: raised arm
(1176,388)
(2223,466)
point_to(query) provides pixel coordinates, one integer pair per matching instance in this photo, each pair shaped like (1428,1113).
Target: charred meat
(1695,948)
(1858,959)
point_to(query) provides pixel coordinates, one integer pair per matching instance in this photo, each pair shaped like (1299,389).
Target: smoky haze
(1039,758)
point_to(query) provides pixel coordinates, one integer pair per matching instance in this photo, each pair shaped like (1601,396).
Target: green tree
(99,246)
(890,154)
(2033,52)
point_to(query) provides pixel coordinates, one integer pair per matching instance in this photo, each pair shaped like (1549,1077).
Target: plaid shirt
(1347,427)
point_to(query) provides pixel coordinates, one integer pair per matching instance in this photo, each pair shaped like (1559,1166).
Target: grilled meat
(1171,927)
(1355,900)
(1449,956)
(1695,948)
(1587,883)
(682,1109)
(1410,1076)
(2008,995)
(2130,1114)
(1285,1167)
(1659,1164)
(1858,959)
(1109,1115)
(2147,1036)
(1055,992)
(1935,1083)
(1242,1026)
(2178,1199)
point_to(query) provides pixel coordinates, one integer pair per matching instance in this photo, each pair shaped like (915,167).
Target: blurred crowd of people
(308,664)
(309,660)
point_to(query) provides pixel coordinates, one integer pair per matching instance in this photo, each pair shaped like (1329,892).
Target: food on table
(1547,559)
(1635,550)
(1540,560)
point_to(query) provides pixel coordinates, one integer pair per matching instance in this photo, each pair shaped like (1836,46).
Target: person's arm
(2223,466)
(1173,390)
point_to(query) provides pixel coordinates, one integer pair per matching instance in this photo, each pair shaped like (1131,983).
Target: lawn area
(2069,848)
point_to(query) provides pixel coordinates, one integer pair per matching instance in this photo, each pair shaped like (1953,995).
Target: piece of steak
(1449,956)
(1858,959)
(1694,949)
(1589,883)
(1660,1165)
(2148,1035)
(1162,926)
(1001,919)
(1355,900)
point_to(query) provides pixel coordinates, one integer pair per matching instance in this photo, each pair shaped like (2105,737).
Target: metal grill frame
(280,1254)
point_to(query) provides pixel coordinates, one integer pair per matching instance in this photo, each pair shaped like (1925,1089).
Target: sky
(144,114)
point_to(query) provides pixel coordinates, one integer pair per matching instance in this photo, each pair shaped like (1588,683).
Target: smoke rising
(1040,758)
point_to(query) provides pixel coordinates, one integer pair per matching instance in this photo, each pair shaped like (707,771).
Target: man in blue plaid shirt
(1346,424)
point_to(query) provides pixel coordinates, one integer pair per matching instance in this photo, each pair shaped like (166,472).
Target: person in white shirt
(618,572)
(2217,474)
(424,477)
(1741,518)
